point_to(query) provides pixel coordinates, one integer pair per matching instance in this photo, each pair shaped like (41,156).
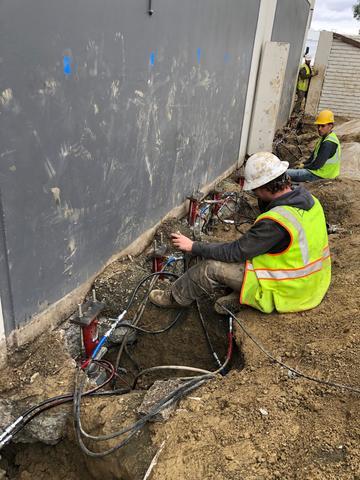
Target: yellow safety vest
(303,84)
(331,169)
(297,278)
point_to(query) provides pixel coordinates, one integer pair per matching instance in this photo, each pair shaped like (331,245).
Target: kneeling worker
(324,162)
(282,263)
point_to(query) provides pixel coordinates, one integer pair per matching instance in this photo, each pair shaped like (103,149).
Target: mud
(257,422)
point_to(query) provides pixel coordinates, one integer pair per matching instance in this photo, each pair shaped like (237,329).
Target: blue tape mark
(67,64)
(199,55)
(152,58)
(226,58)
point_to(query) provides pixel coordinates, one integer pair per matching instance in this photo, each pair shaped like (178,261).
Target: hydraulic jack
(87,319)
(159,259)
(194,207)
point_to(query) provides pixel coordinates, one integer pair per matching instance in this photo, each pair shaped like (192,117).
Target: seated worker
(282,263)
(324,162)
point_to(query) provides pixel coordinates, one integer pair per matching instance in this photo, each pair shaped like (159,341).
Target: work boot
(163,299)
(231,302)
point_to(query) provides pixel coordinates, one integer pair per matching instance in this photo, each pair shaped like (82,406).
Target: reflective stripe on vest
(297,225)
(297,278)
(303,83)
(331,168)
(301,272)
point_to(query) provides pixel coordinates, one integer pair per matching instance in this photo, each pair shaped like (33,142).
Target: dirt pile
(259,422)
(265,423)
(295,142)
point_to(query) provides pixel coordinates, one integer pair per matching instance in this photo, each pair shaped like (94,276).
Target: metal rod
(150,9)
(80,310)
(94,295)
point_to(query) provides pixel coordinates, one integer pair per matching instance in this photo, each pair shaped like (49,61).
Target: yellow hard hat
(324,117)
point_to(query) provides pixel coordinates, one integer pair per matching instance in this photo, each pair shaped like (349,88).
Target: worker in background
(302,88)
(324,161)
(282,263)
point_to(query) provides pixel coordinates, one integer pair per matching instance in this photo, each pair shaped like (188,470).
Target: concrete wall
(290,26)
(110,117)
(268,95)
(263,35)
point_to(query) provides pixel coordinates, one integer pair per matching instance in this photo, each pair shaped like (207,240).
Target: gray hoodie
(265,236)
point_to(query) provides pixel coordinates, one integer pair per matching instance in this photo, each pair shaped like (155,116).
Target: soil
(259,421)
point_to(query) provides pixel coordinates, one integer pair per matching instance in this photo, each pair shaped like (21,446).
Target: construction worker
(324,161)
(282,263)
(305,74)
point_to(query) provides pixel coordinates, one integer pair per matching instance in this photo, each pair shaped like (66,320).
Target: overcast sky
(335,15)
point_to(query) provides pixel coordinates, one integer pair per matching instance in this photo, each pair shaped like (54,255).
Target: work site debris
(295,142)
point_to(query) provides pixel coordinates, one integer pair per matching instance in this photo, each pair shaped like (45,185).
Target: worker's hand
(181,242)
(301,165)
(315,72)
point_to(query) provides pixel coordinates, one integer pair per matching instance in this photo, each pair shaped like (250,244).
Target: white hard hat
(261,168)
(307,58)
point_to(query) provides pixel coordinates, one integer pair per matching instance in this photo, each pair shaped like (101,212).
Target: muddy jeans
(300,95)
(208,274)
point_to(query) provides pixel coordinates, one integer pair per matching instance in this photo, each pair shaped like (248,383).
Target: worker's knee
(220,271)
(205,268)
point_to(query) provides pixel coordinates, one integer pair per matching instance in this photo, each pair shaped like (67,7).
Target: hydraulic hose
(179,392)
(207,336)
(134,428)
(36,410)
(270,355)
(154,277)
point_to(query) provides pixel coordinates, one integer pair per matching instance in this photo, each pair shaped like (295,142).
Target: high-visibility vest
(297,278)
(331,169)
(303,84)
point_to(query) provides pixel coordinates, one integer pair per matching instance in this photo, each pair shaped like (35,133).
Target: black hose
(153,332)
(207,336)
(134,428)
(141,308)
(271,356)
(41,407)
(139,285)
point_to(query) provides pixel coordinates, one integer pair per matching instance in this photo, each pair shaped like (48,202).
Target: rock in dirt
(350,162)
(159,390)
(6,414)
(48,428)
(348,131)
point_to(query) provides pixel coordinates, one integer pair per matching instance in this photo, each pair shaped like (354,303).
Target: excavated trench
(189,342)
(46,368)
(184,344)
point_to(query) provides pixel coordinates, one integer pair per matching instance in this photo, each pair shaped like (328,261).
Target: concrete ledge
(63,308)
(3,353)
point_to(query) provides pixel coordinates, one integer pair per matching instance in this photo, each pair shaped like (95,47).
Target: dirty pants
(208,275)
(300,95)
